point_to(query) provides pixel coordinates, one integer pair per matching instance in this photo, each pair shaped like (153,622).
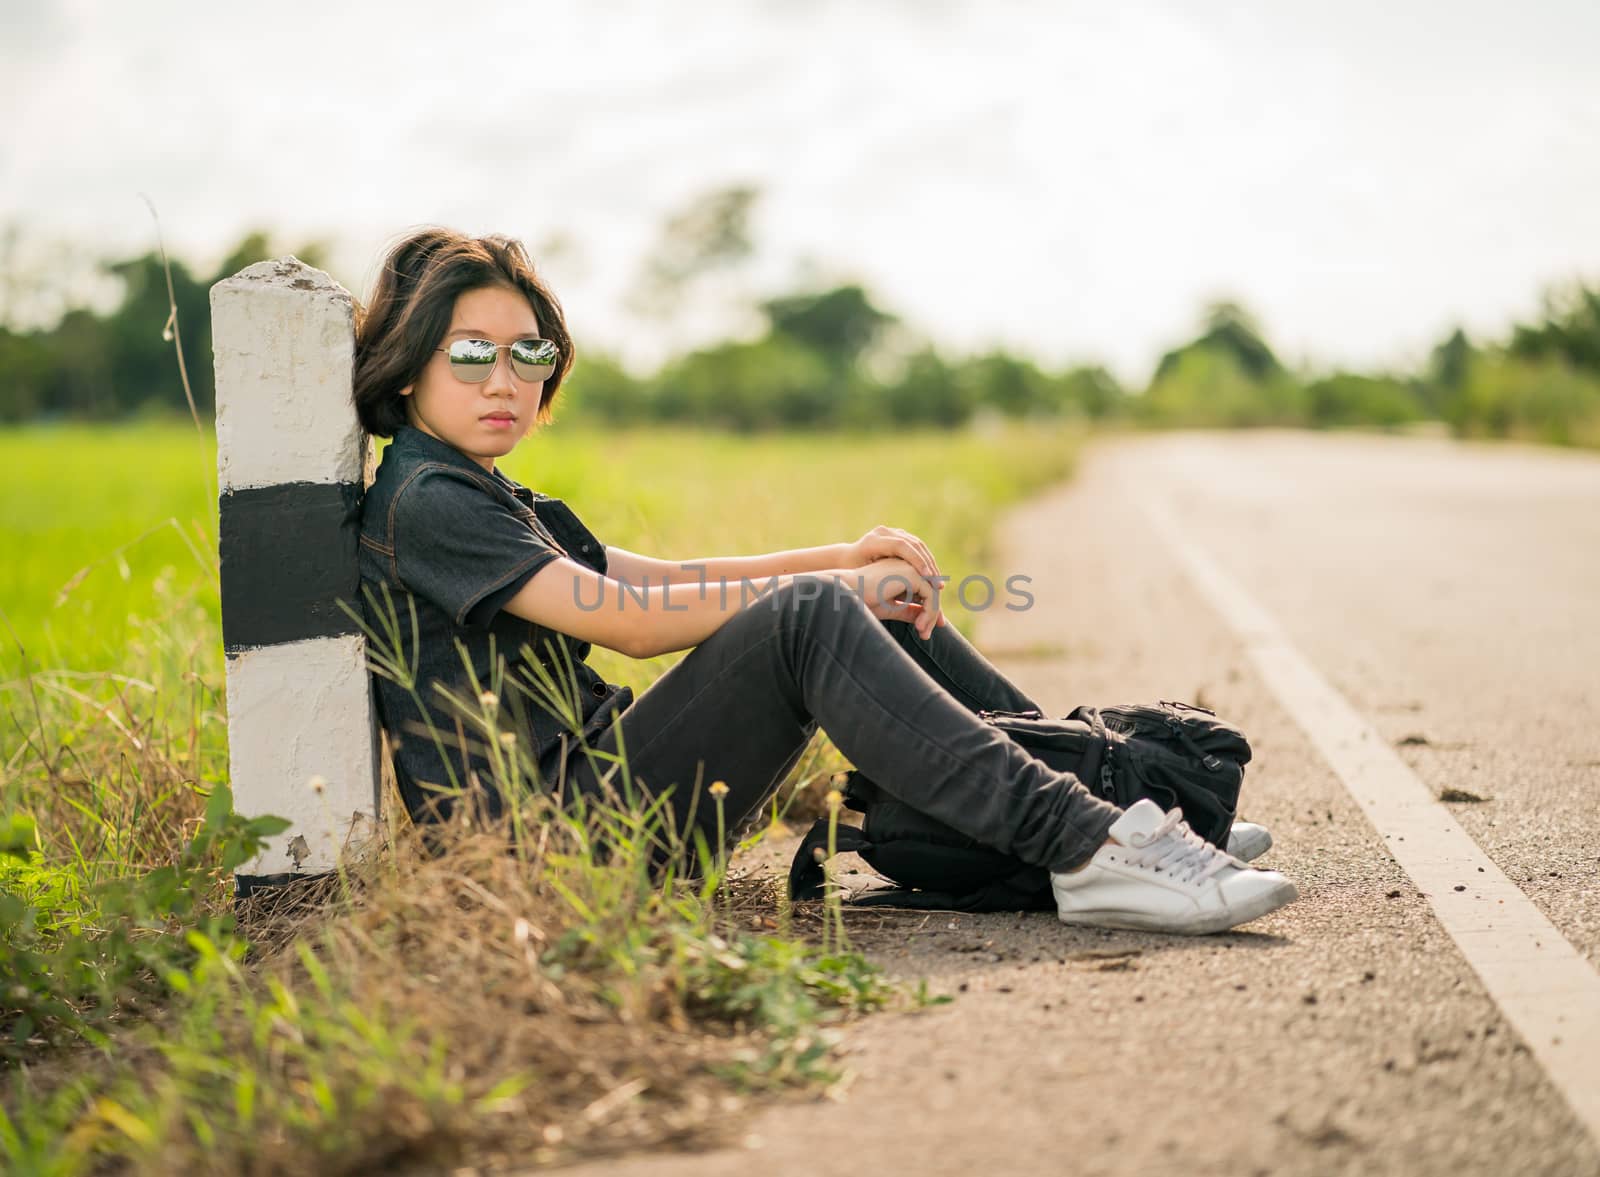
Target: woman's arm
(632,568)
(635,618)
(882,542)
(643,621)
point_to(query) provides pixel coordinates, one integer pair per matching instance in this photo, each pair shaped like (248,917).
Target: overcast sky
(1074,180)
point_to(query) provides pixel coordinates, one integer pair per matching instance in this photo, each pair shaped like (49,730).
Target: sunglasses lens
(534,359)
(472,359)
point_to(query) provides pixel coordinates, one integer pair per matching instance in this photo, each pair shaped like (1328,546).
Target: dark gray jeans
(743,705)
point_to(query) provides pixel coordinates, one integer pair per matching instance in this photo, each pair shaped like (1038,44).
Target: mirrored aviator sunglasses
(473,360)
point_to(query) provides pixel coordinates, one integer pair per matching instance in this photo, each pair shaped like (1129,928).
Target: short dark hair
(411,307)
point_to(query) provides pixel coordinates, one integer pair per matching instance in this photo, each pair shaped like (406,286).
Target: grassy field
(105,526)
(550,1005)
(92,517)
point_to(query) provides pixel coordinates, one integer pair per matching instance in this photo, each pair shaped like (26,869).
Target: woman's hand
(884,542)
(893,543)
(894,591)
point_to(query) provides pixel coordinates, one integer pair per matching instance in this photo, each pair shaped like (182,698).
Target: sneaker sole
(1254,849)
(1220,921)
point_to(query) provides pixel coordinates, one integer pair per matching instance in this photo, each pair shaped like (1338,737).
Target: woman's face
(485,421)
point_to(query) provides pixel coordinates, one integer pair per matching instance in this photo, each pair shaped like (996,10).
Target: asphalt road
(1451,593)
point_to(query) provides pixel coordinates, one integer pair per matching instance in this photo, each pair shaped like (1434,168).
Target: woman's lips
(499,421)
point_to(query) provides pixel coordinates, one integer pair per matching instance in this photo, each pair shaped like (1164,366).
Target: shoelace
(1177,850)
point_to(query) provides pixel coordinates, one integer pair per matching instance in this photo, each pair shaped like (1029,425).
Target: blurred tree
(81,361)
(114,363)
(137,350)
(10,270)
(257,246)
(711,233)
(1570,330)
(1211,387)
(1346,398)
(928,392)
(1227,376)
(1229,330)
(1447,366)
(1092,391)
(601,387)
(24,375)
(840,325)
(252,248)
(771,382)
(1546,399)
(1007,384)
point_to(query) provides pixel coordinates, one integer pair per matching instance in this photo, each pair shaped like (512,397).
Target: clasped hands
(899,578)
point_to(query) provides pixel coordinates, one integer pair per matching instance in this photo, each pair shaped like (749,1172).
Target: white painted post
(291,459)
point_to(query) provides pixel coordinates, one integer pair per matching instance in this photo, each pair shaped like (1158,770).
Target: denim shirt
(455,542)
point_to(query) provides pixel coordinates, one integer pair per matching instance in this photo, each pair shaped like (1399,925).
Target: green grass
(117,505)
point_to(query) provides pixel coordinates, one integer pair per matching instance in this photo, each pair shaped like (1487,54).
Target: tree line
(1540,383)
(832,358)
(101,366)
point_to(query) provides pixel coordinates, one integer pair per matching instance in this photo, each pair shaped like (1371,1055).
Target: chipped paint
(298,711)
(283,337)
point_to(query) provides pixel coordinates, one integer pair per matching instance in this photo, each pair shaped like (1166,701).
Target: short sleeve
(569,531)
(457,544)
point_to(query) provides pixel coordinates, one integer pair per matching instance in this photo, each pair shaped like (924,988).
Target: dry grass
(482,1004)
(610,1062)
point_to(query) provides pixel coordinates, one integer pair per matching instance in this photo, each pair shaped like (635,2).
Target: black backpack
(1177,754)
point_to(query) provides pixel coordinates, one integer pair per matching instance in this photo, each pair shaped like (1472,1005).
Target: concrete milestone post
(291,460)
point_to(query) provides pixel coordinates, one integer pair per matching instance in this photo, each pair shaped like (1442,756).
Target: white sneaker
(1248,841)
(1158,875)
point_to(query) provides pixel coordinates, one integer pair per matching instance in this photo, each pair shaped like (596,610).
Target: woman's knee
(812,595)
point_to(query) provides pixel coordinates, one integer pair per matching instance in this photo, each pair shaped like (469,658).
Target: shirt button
(599,689)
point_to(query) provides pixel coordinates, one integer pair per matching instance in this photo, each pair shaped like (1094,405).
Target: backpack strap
(1026,890)
(806,875)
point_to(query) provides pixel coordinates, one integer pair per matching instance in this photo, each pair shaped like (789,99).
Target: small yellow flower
(507,739)
(719,789)
(489,699)
(834,799)
(317,784)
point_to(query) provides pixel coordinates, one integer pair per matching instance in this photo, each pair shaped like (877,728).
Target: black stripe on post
(289,554)
(274,886)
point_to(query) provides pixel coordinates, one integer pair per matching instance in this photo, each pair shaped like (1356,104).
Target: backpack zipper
(1213,763)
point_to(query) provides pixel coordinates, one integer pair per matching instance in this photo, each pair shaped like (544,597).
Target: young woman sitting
(460,355)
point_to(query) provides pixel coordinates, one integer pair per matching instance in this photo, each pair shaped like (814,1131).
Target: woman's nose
(500,382)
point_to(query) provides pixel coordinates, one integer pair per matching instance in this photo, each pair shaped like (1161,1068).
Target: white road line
(1546,990)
